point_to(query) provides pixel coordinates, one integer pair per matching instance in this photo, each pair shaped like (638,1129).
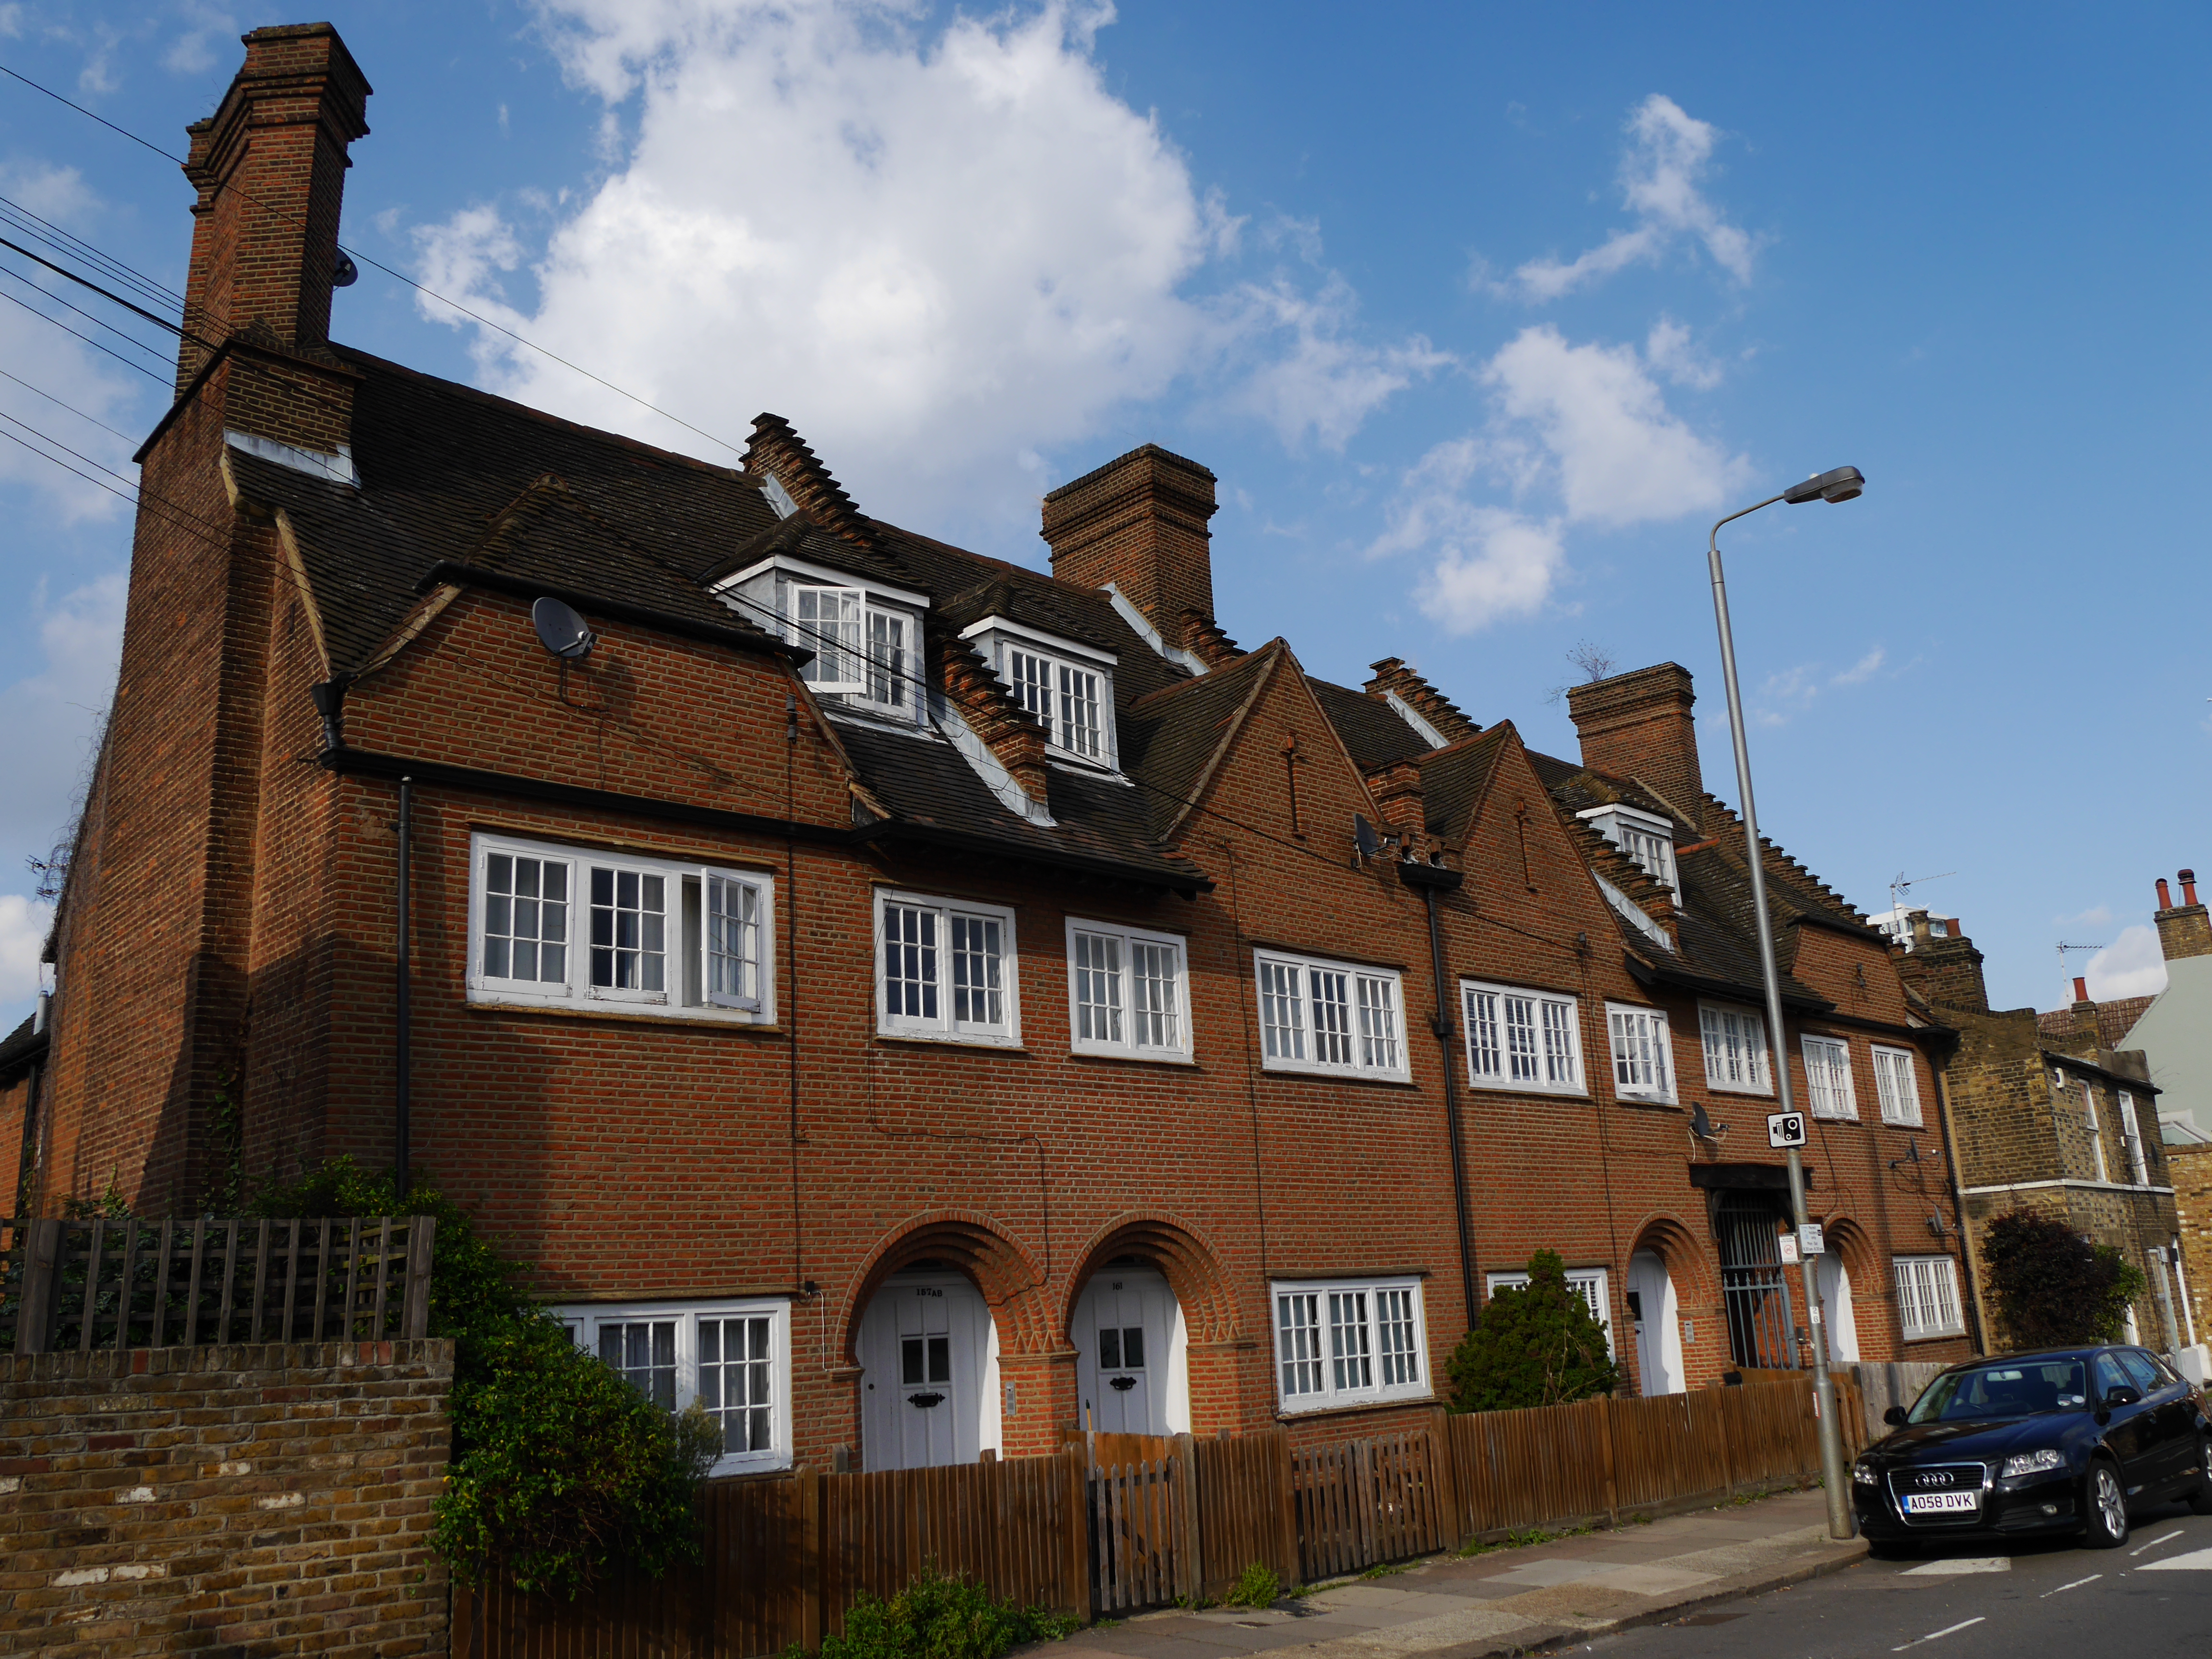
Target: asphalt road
(2152,1597)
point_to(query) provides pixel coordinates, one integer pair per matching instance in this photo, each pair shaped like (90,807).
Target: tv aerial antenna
(2064,948)
(1901,889)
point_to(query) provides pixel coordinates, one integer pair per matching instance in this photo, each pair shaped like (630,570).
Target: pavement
(1511,1601)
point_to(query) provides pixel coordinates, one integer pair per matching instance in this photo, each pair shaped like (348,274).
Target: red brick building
(915,1003)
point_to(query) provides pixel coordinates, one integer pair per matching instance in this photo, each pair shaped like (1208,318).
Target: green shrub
(1538,1345)
(1256,1587)
(2053,1287)
(561,1470)
(937,1617)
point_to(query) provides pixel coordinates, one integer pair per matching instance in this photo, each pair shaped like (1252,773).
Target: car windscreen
(2002,1390)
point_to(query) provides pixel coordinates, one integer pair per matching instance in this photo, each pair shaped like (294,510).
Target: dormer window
(1068,687)
(1644,836)
(866,636)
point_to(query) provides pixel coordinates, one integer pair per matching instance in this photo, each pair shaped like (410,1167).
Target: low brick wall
(236,1501)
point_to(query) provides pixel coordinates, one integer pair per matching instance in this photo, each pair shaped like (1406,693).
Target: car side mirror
(1894,1417)
(2120,1393)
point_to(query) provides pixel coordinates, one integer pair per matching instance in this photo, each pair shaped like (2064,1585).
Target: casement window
(1068,687)
(553,925)
(1735,1049)
(2131,1138)
(1927,1296)
(1644,836)
(946,968)
(859,649)
(1642,1062)
(1330,1016)
(2096,1128)
(1829,1077)
(1591,1283)
(732,1358)
(1522,1040)
(1125,992)
(1348,1343)
(1899,1085)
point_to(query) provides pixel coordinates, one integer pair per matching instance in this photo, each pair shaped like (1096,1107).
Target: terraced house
(910,1002)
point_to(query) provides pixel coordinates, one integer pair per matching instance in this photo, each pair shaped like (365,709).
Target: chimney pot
(2165,897)
(2189,887)
(1138,522)
(2081,988)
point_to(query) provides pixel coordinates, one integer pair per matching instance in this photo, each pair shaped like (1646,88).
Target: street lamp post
(1842,484)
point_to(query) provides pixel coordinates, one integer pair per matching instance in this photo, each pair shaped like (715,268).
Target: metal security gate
(1762,1326)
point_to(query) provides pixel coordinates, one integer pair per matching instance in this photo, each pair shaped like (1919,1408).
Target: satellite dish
(560,630)
(1363,833)
(1702,1125)
(345,273)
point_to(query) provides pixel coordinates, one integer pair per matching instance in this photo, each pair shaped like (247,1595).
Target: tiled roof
(1374,734)
(1453,779)
(22,1046)
(1172,738)
(2115,1020)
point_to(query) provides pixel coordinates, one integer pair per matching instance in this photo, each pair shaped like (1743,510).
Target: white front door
(928,1359)
(1131,1370)
(1834,1280)
(1658,1334)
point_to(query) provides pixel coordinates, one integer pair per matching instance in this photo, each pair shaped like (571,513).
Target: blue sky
(1481,314)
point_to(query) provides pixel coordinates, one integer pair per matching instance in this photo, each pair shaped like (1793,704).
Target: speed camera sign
(1785,1129)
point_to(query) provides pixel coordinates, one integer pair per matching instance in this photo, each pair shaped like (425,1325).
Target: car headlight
(2033,1462)
(1862,1475)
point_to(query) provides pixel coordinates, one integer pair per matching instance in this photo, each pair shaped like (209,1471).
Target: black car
(2060,1440)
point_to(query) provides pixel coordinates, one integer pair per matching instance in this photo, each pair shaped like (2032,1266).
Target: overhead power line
(86,339)
(65,241)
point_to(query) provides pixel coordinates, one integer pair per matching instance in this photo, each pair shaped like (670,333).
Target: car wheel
(2200,1495)
(2107,1507)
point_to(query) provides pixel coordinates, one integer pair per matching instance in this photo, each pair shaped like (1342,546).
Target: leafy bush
(937,1617)
(2053,1287)
(1538,1345)
(1256,1587)
(560,1469)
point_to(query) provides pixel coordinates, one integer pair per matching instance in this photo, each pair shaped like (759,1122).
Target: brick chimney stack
(1947,971)
(2184,929)
(1141,523)
(1638,725)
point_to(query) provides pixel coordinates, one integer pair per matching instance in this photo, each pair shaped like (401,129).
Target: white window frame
(1593,1285)
(998,638)
(687,972)
(2096,1127)
(1496,1017)
(909,704)
(946,1026)
(1645,838)
(2131,1137)
(1755,1075)
(1829,1091)
(1897,1082)
(1927,1290)
(583,1321)
(1328,1358)
(1646,1028)
(1293,1048)
(1123,971)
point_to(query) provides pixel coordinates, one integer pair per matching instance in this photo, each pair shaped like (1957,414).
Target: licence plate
(1942,1503)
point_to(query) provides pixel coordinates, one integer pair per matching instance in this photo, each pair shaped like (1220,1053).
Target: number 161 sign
(1785,1129)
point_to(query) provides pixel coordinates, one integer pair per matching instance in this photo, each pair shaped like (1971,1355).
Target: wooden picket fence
(119,1282)
(1140,1522)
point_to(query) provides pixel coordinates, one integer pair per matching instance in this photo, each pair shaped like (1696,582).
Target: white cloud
(1583,424)
(23,924)
(1670,352)
(937,247)
(1667,155)
(2097,915)
(195,52)
(2132,965)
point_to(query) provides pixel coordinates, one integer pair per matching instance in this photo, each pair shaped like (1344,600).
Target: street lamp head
(1843,483)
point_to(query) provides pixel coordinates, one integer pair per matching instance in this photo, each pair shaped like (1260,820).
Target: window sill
(763,1471)
(1902,1123)
(1833,1117)
(1937,1336)
(1648,1103)
(985,1045)
(1739,1089)
(1319,1075)
(1126,1058)
(479,1003)
(1395,1403)
(1529,1089)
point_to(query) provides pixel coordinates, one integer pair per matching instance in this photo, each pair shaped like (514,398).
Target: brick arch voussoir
(1012,1285)
(1690,1262)
(1191,1264)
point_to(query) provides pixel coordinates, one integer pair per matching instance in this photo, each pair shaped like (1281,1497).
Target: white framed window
(1349,1342)
(1644,836)
(1927,1296)
(553,925)
(1069,687)
(1127,992)
(1735,1049)
(2096,1128)
(1643,1060)
(1899,1085)
(2131,1138)
(865,634)
(946,968)
(1329,1016)
(1829,1077)
(1593,1285)
(1521,1040)
(732,1358)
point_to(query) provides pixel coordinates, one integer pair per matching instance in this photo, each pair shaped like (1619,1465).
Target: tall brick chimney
(1947,971)
(1638,725)
(2184,929)
(269,166)
(1139,523)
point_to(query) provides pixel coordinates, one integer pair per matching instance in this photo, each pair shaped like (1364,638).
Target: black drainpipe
(403,1059)
(1433,879)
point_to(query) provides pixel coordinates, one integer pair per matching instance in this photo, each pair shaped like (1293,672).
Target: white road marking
(1961,1563)
(1946,1630)
(2076,1585)
(2195,1561)
(2155,1542)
